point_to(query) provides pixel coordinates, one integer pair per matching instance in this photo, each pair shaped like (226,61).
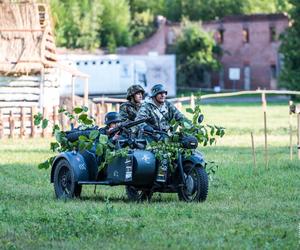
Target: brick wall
(259,54)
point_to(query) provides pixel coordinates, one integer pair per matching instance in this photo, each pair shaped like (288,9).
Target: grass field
(245,209)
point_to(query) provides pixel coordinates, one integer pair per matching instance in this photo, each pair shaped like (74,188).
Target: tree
(290,48)
(115,24)
(77,23)
(196,53)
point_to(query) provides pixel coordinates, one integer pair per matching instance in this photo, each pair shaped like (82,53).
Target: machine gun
(124,126)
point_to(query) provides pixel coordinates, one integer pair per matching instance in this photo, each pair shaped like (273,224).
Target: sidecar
(72,169)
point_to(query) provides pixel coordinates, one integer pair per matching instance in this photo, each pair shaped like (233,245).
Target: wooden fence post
(264,106)
(45,115)
(98,114)
(253,151)
(108,107)
(291,130)
(117,107)
(55,115)
(33,129)
(64,119)
(11,124)
(86,92)
(1,124)
(73,94)
(192,101)
(22,124)
(298,134)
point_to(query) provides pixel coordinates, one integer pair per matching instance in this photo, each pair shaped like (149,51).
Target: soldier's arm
(144,112)
(123,112)
(176,114)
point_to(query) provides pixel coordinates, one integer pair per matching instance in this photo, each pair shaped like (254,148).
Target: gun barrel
(128,125)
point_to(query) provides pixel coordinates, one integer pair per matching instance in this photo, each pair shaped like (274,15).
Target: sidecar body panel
(137,168)
(77,162)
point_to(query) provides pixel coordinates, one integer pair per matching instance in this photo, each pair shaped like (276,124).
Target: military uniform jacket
(161,116)
(129,110)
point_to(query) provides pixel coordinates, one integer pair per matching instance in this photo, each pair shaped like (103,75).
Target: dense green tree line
(91,24)
(290,75)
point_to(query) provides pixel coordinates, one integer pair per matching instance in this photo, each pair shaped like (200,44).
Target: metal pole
(253,151)
(291,131)
(298,137)
(86,92)
(264,105)
(73,93)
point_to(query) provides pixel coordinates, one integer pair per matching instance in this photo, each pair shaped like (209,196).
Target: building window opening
(273,69)
(220,36)
(246,35)
(273,36)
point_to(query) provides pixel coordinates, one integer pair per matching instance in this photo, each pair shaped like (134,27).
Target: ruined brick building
(250,44)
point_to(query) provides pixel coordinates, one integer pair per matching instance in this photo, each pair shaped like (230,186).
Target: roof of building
(26,41)
(250,18)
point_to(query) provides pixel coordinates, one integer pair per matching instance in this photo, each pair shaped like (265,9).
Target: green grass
(246,208)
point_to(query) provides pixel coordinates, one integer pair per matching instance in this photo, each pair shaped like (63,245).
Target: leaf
(212,131)
(61,110)
(189,110)
(89,145)
(93,134)
(85,108)
(212,140)
(173,122)
(37,119)
(103,139)
(88,121)
(54,146)
(45,165)
(58,136)
(187,125)
(82,117)
(99,149)
(82,138)
(55,128)
(81,145)
(45,123)
(78,110)
(222,133)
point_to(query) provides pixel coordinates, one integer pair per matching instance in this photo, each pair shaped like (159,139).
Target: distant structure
(251,48)
(250,44)
(27,55)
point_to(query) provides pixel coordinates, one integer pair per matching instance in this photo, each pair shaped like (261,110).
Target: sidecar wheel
(64,181)
(134,194)
(196,187)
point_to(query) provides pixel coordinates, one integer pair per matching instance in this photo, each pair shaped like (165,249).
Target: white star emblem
(146,158)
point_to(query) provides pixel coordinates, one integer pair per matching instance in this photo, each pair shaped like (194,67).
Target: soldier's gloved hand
(148,129)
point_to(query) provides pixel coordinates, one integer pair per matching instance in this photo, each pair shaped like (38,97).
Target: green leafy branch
(103,147)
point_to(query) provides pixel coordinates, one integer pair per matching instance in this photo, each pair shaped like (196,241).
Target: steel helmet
(133,89)
(157,89)
(112,117)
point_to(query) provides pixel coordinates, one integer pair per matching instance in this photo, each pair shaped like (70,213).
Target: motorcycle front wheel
(195,188)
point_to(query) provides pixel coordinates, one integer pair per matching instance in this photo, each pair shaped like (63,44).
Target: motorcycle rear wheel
(196,187)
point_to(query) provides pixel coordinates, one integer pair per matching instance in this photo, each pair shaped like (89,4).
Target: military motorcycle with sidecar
(139,171)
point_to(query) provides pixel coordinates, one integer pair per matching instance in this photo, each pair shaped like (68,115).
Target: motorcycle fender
(196,159)
(76,161)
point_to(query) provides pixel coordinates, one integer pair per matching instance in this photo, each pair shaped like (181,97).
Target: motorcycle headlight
(190,142)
